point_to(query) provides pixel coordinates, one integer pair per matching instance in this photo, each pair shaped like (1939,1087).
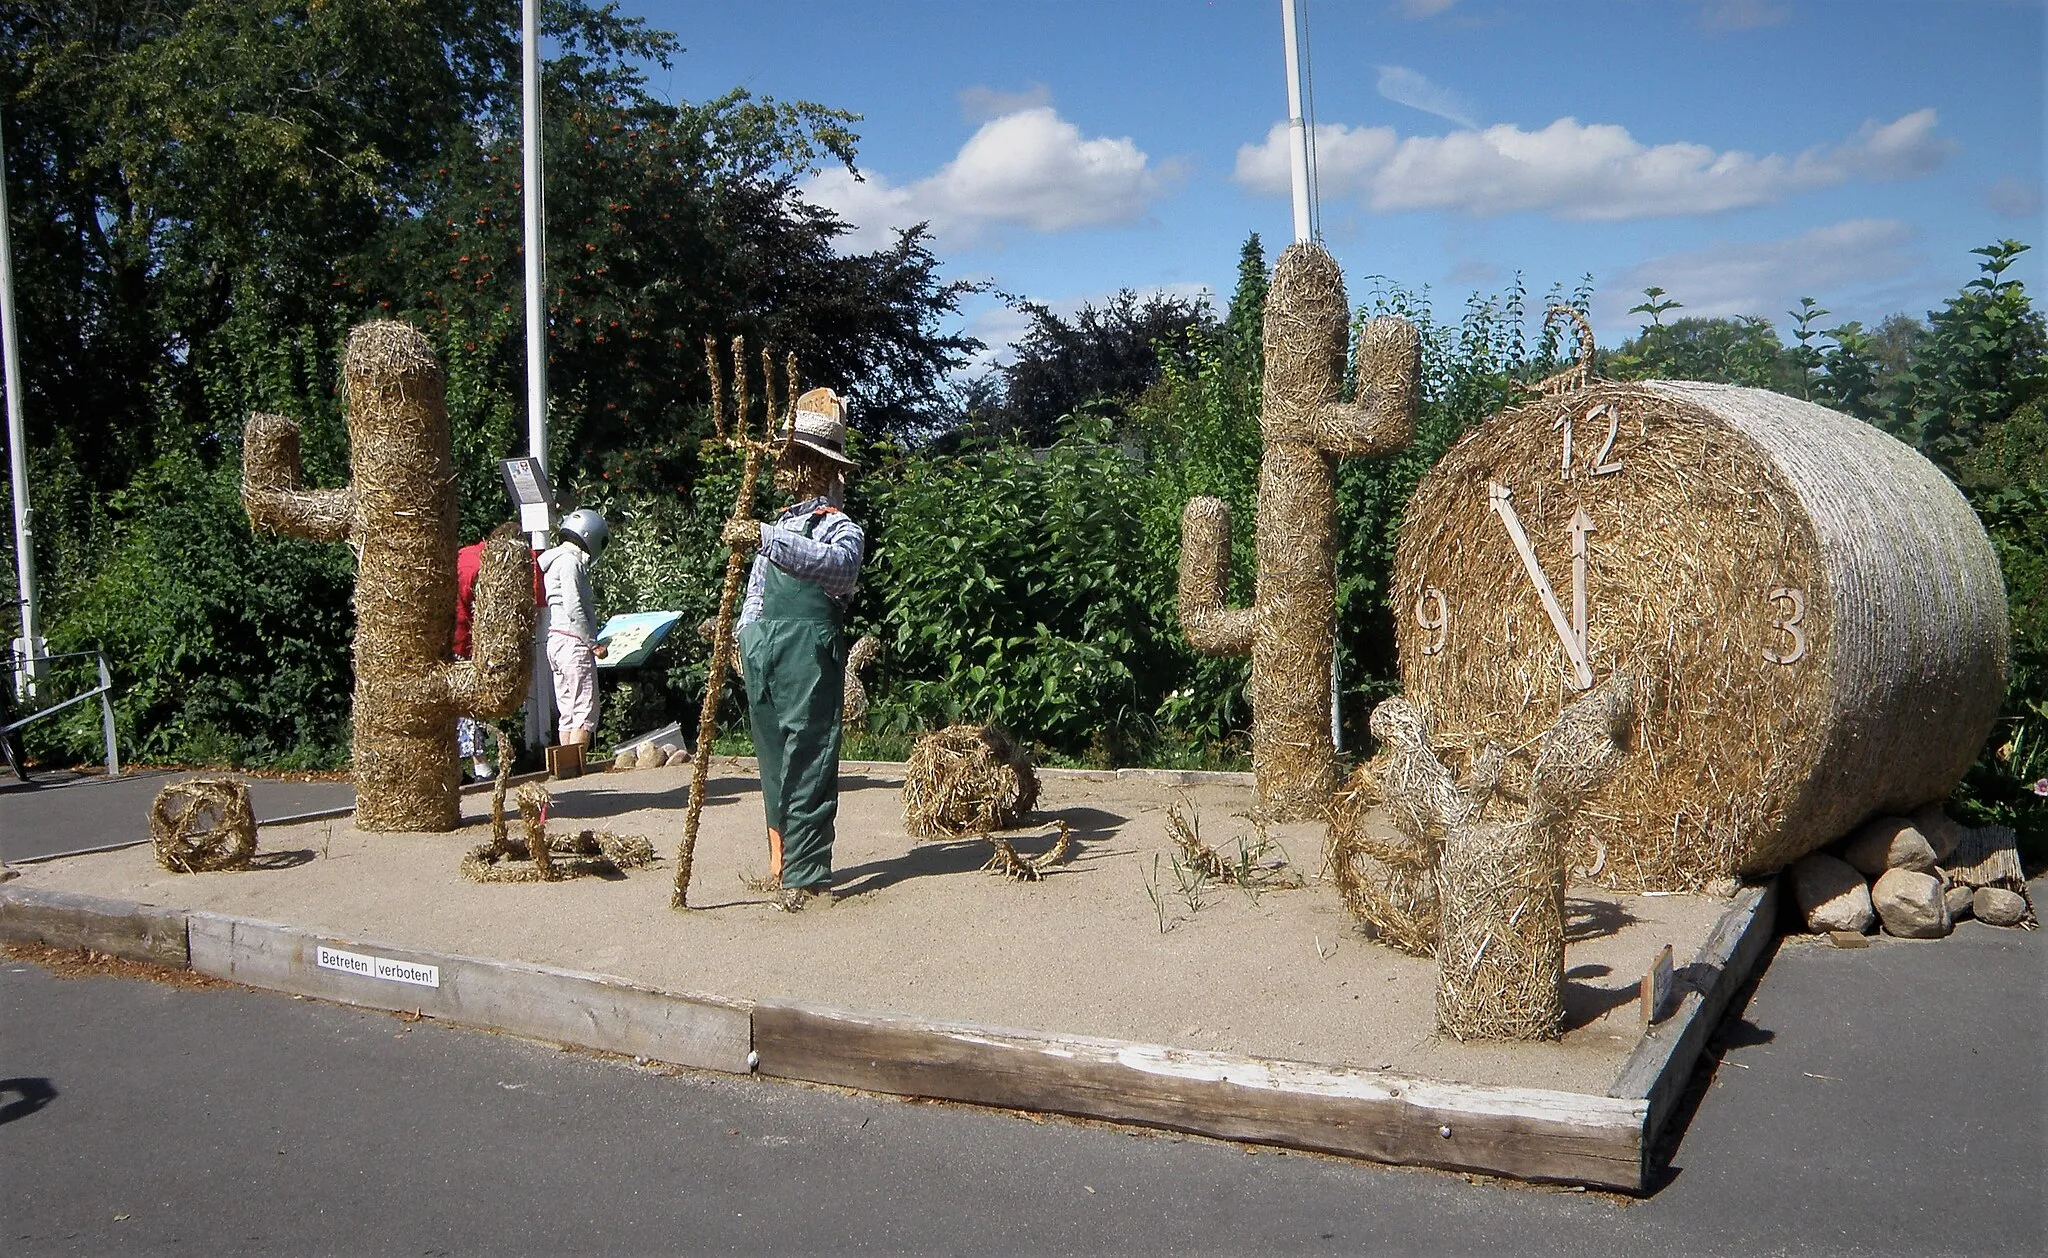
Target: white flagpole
(540,694)
(1297,126)
(1304,230)
(31,645)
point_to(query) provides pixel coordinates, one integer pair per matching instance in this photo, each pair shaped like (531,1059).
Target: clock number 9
(1788,624)
(1600,466)
(1435,624)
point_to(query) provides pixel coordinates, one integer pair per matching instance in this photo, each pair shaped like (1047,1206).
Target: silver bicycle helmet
(588,528)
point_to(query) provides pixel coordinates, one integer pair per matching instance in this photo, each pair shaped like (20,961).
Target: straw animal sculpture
(399,515)
(202,824)
(1815,606)
(547,858)
(1289,630)
(1007,863)
(723,638)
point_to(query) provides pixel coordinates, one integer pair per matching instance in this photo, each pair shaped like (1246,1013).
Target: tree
(1984,355)
(1108,353)
(207,193)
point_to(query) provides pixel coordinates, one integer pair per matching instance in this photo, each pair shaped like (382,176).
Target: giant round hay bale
(964,780)
(1815,608)
(202,824)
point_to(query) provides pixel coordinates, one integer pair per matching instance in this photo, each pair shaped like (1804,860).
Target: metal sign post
(28,648)
(540,694)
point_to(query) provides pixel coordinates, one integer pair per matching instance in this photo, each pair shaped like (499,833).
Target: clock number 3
(1433,623)
(1788,624)
(1600,466)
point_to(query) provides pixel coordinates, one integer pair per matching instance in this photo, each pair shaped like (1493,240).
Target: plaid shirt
(829,558)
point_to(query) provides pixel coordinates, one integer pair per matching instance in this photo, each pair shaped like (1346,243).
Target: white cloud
(1030,169)
(2014,198)
(1589,172)
(979,104)
(1412,88)
(1422,10)
(1767,277)
(1742,15)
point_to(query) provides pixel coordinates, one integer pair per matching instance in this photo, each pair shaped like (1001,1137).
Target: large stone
(1958,900)
(1831,895)
(1995,906)
(1888,843)
(1911,904)
(1941,831)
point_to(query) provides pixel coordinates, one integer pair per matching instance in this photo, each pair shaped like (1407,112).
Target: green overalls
(795,661)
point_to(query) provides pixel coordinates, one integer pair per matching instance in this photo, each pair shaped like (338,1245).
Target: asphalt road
(64,811)
(1881,1101)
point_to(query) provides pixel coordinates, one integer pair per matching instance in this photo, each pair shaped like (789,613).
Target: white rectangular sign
(377,967)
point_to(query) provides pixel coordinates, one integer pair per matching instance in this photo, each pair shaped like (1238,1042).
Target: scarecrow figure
(792,647)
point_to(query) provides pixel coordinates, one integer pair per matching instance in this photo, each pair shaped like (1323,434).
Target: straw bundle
(853,710)
(1306,425)
(1817,609)
(550,858)
(399,513)
(965,780)
(1500,947)
(202,824)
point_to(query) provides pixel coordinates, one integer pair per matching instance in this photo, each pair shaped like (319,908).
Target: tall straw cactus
(399,514)
(1290,629)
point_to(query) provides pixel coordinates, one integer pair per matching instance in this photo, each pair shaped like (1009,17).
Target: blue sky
(1738,153)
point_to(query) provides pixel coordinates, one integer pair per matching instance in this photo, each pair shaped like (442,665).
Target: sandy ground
(919,928)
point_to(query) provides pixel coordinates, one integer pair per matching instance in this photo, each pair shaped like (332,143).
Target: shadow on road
(34,1093)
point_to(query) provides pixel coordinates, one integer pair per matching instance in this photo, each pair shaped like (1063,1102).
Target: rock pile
(1914,877)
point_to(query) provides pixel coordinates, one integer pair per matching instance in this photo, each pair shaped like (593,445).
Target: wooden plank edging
(1524,1132)
(121,928)
(536,1001)
(1657,1069)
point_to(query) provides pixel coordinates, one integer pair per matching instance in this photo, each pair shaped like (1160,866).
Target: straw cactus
(1290,630)
(399,515)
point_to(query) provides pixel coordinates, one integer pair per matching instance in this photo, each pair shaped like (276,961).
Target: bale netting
(1816,612)
(966,780)
(202,824)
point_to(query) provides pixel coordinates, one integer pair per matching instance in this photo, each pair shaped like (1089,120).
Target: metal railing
(11,721)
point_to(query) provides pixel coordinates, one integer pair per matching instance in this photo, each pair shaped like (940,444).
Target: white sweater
(565,573)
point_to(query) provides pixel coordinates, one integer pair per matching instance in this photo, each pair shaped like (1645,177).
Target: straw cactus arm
(1211,628)
(1382,418)
(273,494)
(491,683)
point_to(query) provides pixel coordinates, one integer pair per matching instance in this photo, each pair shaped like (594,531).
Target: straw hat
(820,423)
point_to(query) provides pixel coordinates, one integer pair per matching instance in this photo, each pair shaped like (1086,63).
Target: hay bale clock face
(1816,611)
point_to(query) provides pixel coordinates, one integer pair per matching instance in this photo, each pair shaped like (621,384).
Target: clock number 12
(1600,465)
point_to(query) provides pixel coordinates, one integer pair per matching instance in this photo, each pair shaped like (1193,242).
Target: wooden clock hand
(1582,524)
(1497,501)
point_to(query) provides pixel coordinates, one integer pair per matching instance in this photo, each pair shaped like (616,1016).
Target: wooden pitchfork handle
(728,596)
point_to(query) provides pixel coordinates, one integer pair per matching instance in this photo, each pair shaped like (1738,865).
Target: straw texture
(399,514)
(966,780)
(1306,425)
(202,824)
(1815,610)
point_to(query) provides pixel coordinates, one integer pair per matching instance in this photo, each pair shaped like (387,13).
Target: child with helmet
(572,646)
